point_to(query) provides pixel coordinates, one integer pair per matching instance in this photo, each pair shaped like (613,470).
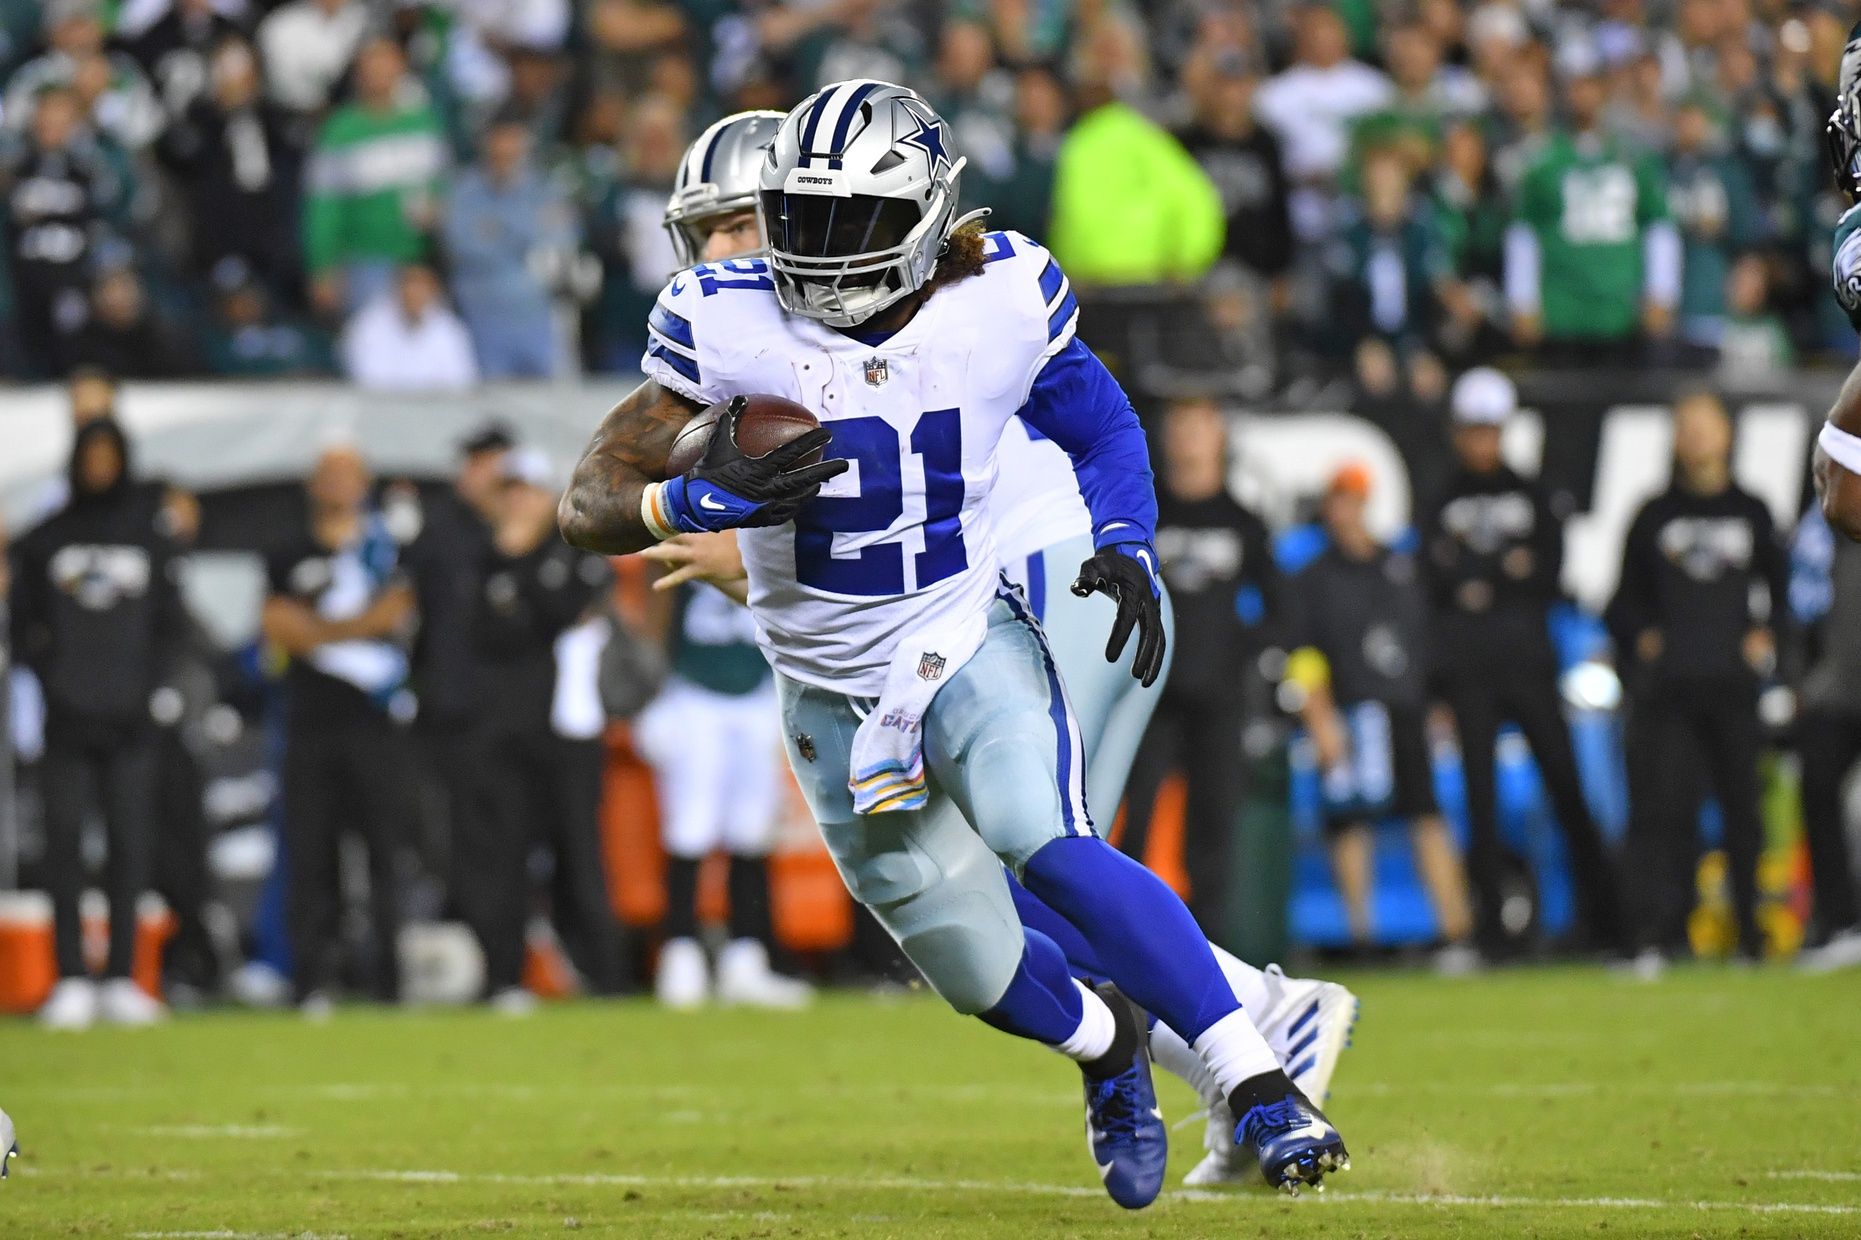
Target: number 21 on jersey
(881,458)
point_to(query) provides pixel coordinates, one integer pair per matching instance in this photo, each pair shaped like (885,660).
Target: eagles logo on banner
(877,371)
(930,666)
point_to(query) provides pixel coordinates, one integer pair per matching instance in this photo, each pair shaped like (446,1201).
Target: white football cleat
(1308,1025)
(513,1001)
(9,1143)
(1843,951)
(72,1005)
(683,981)
(122,1002)
(744,977)
(1227,1161)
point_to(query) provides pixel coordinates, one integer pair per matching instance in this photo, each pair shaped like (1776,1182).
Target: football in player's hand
(766,423)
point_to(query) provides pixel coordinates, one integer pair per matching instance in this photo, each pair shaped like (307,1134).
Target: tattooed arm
(601,509)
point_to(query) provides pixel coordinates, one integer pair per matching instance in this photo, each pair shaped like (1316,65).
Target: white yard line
(235,1132)
(228,1234)
(1833,1177)
(912,1184)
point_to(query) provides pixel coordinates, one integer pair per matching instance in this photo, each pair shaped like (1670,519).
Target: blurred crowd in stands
(426,194)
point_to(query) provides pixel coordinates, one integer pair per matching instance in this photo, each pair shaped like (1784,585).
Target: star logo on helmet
(929,138)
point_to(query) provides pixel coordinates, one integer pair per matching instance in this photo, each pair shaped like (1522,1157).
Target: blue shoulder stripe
(677,361)
(672,326)
(1057,321)
(1051,279)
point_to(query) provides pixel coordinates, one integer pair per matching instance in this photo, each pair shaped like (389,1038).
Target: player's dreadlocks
(961,258)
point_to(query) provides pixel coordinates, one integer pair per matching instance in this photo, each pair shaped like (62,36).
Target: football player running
(1838,448)
(926,721)
(1041,529)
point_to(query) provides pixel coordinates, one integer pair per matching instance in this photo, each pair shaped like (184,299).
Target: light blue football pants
(1006,774)
(1006,755)
(1112,708)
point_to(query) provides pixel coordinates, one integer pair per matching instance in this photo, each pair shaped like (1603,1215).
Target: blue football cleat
(1124,1125)
(1295,1143)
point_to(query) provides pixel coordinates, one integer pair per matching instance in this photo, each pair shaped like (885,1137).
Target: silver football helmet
(858,196)
(718,176)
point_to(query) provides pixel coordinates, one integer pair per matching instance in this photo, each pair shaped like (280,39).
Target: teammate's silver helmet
(718,176)
(858,197)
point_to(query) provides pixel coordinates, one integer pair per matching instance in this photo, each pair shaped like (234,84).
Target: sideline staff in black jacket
(1494,553)
(96,615)
(1704,586)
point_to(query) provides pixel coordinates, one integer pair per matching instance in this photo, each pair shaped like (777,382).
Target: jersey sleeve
(1073,400)
(1846,271)
(680,355)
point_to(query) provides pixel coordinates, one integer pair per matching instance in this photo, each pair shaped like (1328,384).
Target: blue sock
(1080,957)
(1137,928)
(1041,1001)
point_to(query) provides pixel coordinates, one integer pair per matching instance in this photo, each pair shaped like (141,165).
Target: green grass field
(1534,1103)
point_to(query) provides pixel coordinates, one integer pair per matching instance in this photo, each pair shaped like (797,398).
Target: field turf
(1542,1103)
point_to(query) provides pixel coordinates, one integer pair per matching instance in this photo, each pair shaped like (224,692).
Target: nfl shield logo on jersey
(877,372)
(930,666)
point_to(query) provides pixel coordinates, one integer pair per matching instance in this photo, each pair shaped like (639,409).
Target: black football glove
(728,490)
(1127,572)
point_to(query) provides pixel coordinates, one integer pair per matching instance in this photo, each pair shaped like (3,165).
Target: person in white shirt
(1310,107)
(409,340)
(307,46)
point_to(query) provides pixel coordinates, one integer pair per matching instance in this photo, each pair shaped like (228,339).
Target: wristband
(653,513)
(1844,449)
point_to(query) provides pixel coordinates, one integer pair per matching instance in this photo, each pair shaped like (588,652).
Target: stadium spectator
(1360,667)
(125,335)
(176,49)
(251,337)
(1470,214)
(1022,198)
(96,614)
(307,47)
(1493,556)
(1157,219)
(1592,257)
(1312,105)
(1703,592)
(1243,159)
(1753,344)
(1217,560)
(239,171)
(337,609)
(627,233)
(1825,599)
(542,769)
(58,191)
(409,340)
(975,95)
(446,565)
(372,184)
(506,228)
(118,99)
(1715,208)
(1389,262)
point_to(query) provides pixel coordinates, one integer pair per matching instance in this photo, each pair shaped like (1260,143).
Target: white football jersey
(1036,501)
(903,539)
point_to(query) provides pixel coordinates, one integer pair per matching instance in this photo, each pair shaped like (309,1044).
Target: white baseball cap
(1483,397)
(530,467)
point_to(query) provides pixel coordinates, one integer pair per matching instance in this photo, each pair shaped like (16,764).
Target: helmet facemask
(844,260)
